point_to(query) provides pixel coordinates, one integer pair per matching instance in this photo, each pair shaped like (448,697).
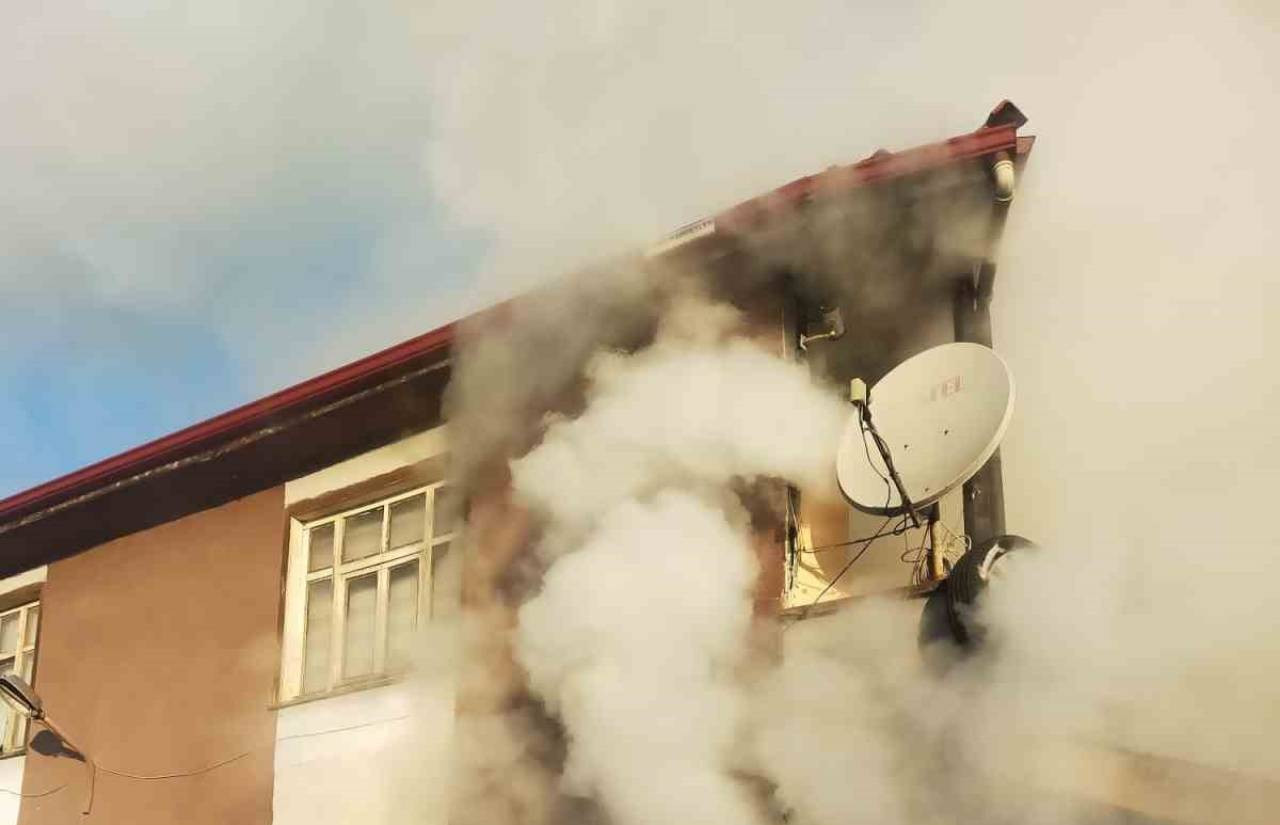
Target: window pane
(362,605)
(321,553)
(362,534)
(407,517)
(19,723)
(446,512)
(10,730)
(446,581)
(402,614)
(315,656)
(33,625)
(9,633)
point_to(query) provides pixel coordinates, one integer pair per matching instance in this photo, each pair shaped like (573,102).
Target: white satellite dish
(941,415)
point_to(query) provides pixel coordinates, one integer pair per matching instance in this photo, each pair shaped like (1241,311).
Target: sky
(200,200)
(208,201)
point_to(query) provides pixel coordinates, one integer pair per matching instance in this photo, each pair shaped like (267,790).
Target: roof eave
(434,345)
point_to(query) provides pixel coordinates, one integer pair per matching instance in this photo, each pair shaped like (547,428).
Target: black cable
(868,542)
(910,555)
(243,754)
(793,536)
(357,726)
(883,447)
(825,547)
(916,556)
(888,490)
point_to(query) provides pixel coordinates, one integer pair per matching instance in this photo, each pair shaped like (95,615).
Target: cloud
(215,198)
(307,182)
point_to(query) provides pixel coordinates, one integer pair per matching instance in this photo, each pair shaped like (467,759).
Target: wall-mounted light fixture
(834,328)
(20,696)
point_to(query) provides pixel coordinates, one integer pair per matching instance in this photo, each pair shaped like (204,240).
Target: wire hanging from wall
(36,795)
(94,766)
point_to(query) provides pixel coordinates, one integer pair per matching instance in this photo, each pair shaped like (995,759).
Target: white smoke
(1133,288)
(826,721)
(680,415)
(1099,658)
(633,642)
(640,631)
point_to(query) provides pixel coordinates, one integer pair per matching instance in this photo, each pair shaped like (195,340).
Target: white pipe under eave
(1005,178)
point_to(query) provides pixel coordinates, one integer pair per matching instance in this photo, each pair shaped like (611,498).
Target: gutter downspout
(984,515)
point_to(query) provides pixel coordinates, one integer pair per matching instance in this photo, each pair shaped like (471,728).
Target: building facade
(226,623)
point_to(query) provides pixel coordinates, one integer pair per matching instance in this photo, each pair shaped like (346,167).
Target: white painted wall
(36,575)
(374,757)
(10,787)
(386,459)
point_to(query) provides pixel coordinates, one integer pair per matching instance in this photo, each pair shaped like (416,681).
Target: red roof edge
(880,166)
(241,419)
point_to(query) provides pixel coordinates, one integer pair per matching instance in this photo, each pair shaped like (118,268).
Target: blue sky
(89,377)
(197,215)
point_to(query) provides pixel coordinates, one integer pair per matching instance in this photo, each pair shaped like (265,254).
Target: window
(363,583)
(18,629)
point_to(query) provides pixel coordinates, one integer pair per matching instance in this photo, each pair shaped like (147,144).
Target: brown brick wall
(158,654)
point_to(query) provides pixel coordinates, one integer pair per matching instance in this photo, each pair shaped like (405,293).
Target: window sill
(11,754)
(815,609)
(341,690)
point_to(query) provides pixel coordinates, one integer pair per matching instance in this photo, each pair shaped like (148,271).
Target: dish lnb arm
(858,396)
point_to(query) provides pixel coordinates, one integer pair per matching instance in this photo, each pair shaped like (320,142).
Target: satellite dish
(941,415)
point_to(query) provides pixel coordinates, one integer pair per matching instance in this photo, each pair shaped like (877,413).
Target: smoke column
(1133,304)
(642,622)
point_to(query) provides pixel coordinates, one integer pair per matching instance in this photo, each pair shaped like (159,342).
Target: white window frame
(15,729)
(299,580)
